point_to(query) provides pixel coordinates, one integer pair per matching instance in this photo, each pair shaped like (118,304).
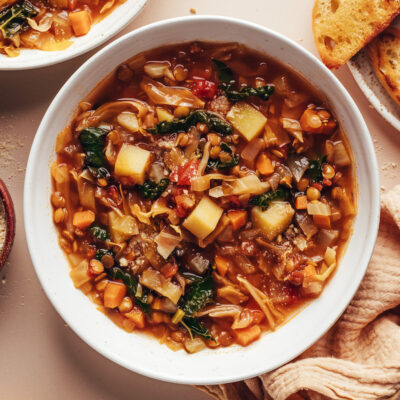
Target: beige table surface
(40,357)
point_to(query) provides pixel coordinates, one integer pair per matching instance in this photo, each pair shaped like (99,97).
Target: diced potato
(247,120)
(204,218)
(129,121)
(79,274)
(274,220)
(247,335)
(132,161)
(163,115)
(137,316)
(80,21)
(122,227)
(113,294)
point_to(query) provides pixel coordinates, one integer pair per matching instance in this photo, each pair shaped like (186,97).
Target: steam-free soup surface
(202,194)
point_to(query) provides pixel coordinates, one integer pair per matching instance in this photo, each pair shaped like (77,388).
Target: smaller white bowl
(141,353)
(98,34)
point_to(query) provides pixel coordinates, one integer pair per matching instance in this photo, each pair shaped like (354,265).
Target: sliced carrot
(169,270)
(222,264)
(83,219)
(301,203)
(80,21)
(309,270)
(137,316)
(264,165)
(247,335)
(238,218)
(113,294)
(322,221)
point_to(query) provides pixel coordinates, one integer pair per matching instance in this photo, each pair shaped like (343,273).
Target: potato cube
(79,274)
(274,220)
(247,120)
(132,161)
(122,227)
(204,218)
(129,121)
(163,115)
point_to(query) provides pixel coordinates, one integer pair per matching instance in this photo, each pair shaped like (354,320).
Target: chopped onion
(274,180)
(341,157)
(318,208)
(244,264)
(198,264)
(330,256)
(166,243)
(159,69)
(194,345)
(306,224)
(226,235)
(169,95)
(293,126)
(204,159)
(156,281)
(298,166)
(156,171)
(194,137)
(251,150)
(44,24)
(327,237)
(249,184)
(202,183)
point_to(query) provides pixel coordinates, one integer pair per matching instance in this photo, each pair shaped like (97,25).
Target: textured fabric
(359,358)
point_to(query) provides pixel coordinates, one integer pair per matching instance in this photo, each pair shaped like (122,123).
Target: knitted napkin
(359,357)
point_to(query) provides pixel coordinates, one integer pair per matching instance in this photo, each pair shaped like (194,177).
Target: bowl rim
(69,54)
(342,303)
(9,212)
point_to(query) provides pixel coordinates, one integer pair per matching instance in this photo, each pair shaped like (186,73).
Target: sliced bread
(343,27)
(384,54)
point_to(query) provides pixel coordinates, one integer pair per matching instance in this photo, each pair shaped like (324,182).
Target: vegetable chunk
(204,218)
(247,120)
(113,294)
(274,220)
(80,22)
(132,161)
(122,227)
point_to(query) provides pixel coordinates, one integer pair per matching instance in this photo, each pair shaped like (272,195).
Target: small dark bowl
(10,223)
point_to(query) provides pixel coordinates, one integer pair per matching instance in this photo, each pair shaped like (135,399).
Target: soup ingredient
(113,294)
(213,122)
(99,232)
(152,190)
(92,141)
(132,161)
(83,219)
(204,218)
(122,227)
(314,170)
(80,21)
(264,200)
(247,120)
(274,220)
(226,159)
(14,19)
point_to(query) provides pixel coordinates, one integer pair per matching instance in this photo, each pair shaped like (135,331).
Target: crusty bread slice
(343,27)
(384,54)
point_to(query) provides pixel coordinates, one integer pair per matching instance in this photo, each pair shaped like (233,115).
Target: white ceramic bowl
(98,34)
(141,353)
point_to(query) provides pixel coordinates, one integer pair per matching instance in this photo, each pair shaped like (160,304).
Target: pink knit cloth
(359,357)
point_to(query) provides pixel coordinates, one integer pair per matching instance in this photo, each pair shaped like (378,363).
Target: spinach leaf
(218,164)
(103,252)
(225,74)
(132,285)
(13,19)
(263,200)
(99,232)
(183,124)
(200,293)
(263,92)
(92,141)
(196,328)
(152,190)
(314,171)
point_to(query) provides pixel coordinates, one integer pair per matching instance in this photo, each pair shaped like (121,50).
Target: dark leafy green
(183,124)
(225,75)
(200,293)
(132,284)
(152,190)
(314,170)
(13,19)
(99,232)
(92,141)
(100,253)
(263,200)
(196,328)
(218,164)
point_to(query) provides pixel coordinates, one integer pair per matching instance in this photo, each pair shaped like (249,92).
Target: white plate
(98,34)
(370,85)
(142,353)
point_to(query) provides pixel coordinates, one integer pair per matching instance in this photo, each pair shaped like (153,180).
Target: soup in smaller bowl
(203,193)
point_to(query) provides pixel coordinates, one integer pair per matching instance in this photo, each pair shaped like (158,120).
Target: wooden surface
(41,357)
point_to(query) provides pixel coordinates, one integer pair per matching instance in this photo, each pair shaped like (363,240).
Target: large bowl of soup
(201,200)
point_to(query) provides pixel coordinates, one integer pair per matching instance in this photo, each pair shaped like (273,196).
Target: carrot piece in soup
(137,316)
(247,335)
(238,218)
(222,264)
(113,294)
(80,22)
(322,221)
(301,203)
(264,165)
(83,219)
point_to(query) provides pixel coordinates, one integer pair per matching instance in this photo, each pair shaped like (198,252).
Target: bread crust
(343,27)
(384,55)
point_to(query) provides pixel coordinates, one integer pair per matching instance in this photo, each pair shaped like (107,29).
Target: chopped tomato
(235,200)
(184,174)
(169,270)
(184,201)
(72,4)
(204,88)
(292,294)
(327,182)
(318,185)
